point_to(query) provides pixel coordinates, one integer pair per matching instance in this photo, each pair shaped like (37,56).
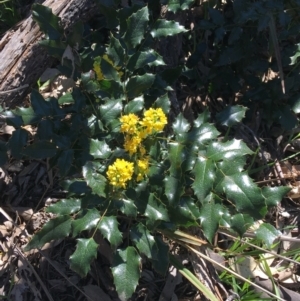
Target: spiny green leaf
(240,190)
(210,215)
(99,149)
(155,211)
(39,105)
(241,223)
(126,206)
(56,228)
(231,115)
(142,58)
(65,206)
(86,220)
(108,226)
(205,173)
(274,195)
(173,189)
(40,150)
(137,85)
(143,240)
(179,5)
(126,272)
(16,142)
(181,125)
(163,102)
(135,105)
(48,22)
(110,110)
(94,179)
(176,157)
(267,233)
(85,253)
(164,28)
(162,262)
(64,161)
(200,135)
(227,150)
(204,117)
(136,26)
(116,52)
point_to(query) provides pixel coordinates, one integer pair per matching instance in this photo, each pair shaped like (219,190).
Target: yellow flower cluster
(97,67)
(120,173)
(135,131)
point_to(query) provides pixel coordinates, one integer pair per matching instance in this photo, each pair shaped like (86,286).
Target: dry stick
(261,249)
(14,90)
(232,272)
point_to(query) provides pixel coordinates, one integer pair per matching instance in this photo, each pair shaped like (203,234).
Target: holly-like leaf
(86,220)
(143,240)
(99,149)
(110,110)
(204,117)
(241,223)
(142,58)
(126,272)
(210,215)
(136,26)
(181,125)
(39,105)
(173,189)
(231,115)
(176,157)
(135,105)
(108,226)
(40,150)
(227,150)
(240,190)
(137,85)
(267,233)
(179,5)
(94,179)
(163,28)
(274,195)
(205,173)
(126,206)
(56,228)
(85,253)
(65,206)
(16,142)
(163,102)
(155,211)
(201,135)
(48,22)
(116,52)
(64,161)
(162,263)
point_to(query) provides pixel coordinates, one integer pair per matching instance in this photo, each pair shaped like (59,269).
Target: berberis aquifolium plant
(110,130)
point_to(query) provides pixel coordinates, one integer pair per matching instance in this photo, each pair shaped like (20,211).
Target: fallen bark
(22,59)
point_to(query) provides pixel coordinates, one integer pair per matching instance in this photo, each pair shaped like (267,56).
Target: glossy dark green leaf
(111,110)
(179,5)
(99,149)
(229,150)
(176,157)
(274,195)
(108,226)
(241,223)
(204,117)
(267,233)
(126,206)
(116,52)
(231,115)
(143,240)
(155,210)
(162,263)
(65,206)
(45,129)
(56,228)
(135,105)
(64,161)
(142,58)
(126,272)
(85,220)
(75,186)
(173,189)
(163,102)
(136,26)
(201,135)
(294,102)
(54,48)
(163,28)
(27,114)
(181,125)
(13,120)
(85,253)
(40,150)
(137,85)
(95,180)
(210,215)
(244,193)
(39,105)
(48,22)
(205,173)
(16,143)
(65,99)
